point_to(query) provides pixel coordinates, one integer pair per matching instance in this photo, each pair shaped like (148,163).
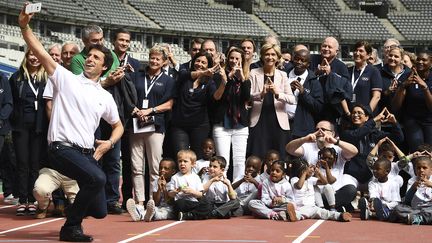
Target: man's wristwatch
(154,110)
(112,143)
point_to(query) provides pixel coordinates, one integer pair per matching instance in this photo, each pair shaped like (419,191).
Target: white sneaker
(136,211)
(150,210)
(11,200)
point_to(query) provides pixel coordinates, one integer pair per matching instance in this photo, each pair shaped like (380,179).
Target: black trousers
(29,148)
(199,210)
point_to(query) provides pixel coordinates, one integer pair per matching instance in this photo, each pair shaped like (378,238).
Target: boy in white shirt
(208,151)
(247,187)
(160,207)
(218,189)
(383,192)
(304,193)
(187,190)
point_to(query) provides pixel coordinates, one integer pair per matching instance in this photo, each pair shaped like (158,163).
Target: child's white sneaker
(136,211)
(150,210)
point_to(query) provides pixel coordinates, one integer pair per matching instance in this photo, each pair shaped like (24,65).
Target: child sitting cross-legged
(247,187)
(304,193)
(277,199)
(187,190)
(417,206)
(160,207)
(218,189)
(383,192)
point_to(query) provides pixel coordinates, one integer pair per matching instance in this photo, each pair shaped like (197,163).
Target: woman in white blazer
(270,92)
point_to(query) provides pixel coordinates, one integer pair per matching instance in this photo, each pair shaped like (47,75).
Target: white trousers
(145,145)
(224,138)
(329,194)
(315,212)
(50,180)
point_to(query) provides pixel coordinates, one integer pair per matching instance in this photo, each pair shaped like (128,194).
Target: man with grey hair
(334,78)
(54,51)
(93,34)
(68,51)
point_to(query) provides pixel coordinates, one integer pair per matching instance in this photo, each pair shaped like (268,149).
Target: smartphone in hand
(33,8)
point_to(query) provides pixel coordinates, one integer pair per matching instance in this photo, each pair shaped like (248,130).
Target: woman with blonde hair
(270,92)
(29,127)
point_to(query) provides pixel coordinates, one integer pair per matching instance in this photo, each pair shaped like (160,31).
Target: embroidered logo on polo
(365,78)
(1,91)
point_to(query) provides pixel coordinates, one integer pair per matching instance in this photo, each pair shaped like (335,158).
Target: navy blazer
(6,104)
(309,106)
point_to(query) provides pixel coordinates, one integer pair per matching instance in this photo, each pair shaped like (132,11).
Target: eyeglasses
(392,46)
(323,129)
(358,114)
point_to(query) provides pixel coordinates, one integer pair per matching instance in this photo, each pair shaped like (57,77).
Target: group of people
(305,135)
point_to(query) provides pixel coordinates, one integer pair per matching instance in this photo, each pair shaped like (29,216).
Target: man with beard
(308,147)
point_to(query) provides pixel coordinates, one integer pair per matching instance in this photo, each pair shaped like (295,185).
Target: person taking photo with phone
(79,104)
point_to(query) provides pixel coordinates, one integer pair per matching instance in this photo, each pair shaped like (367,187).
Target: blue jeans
(90,200)
(417,132)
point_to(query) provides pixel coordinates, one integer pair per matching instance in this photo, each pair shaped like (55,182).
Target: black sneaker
(114,208)
(363,205)
(183,216)
(74,234)
(381,210)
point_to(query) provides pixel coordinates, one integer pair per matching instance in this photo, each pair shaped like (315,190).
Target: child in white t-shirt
(384,193)
(208,151)
(218,189)
(247,187)
(187,190)
(277,199)
(270,157)
(304,193)
(160,207)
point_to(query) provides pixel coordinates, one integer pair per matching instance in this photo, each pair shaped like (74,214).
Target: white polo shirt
(79,104)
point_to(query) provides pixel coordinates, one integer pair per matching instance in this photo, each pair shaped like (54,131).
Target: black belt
(74,146)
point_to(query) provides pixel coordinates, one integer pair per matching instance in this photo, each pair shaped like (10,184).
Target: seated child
(160,207)
(332,173)
(303,185)
(417,207)
(218,189)
(247,187)
(386,148)
(271,156)
(383,192)
(187,190)
(277,200)
(208,151)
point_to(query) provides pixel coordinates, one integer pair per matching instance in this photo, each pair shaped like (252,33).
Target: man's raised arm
(33,43)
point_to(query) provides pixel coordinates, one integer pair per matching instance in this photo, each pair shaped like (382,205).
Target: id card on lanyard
(148,88)
(35,91)
(354,82)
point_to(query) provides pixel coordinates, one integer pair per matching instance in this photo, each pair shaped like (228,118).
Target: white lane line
(8,206)
(151,232)
(30,225)
(308,231)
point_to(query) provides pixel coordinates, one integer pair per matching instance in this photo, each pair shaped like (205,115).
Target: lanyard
(152,82)
(35,91)
(354,83)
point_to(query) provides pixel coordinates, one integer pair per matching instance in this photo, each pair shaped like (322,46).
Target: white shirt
(387,191)
(217,191)
(271,190)
(291,108)
(305,196)
(247,188)
(199,165)
(180,180)
(423,193)
(79,104)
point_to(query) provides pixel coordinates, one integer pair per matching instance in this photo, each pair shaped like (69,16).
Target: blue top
(370,80)
(161,92)
(191,105)
(415,105)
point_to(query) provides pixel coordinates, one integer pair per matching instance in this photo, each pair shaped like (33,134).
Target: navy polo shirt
(162,91)
(191,105)
(415,102)
(369,81)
